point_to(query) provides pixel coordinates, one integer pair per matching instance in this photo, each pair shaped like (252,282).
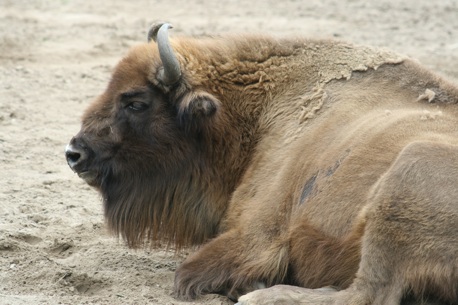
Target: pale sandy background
(56,55)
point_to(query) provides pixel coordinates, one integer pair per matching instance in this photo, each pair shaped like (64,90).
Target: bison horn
(172,72)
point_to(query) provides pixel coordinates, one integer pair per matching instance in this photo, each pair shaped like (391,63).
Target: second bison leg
(411,234)
(409,242)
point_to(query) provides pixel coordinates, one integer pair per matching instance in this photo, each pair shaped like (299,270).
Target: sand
(57,55)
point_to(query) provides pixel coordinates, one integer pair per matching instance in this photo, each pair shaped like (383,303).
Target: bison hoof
(283,294)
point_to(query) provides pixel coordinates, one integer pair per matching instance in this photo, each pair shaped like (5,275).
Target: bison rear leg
(410,239)
(410,243)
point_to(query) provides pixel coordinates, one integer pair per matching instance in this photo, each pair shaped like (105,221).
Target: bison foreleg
(215,268)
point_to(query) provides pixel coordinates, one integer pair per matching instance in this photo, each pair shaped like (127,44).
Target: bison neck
(272,86)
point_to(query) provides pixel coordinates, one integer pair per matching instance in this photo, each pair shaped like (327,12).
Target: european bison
(304,162)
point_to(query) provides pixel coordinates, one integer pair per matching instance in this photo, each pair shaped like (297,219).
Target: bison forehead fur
(305,162)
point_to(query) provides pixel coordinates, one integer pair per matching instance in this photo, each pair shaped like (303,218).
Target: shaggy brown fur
(291,160)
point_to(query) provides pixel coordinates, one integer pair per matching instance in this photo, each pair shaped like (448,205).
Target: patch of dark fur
(308,188)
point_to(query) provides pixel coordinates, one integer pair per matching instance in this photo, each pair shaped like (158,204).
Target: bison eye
(137,106)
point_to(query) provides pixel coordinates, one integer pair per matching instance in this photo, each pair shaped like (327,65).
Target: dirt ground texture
(57,55)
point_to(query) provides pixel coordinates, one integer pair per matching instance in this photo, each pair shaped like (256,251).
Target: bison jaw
(89,177)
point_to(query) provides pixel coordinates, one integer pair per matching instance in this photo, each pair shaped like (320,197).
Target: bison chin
(90,177)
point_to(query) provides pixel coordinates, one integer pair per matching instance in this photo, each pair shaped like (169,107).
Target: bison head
(145,144)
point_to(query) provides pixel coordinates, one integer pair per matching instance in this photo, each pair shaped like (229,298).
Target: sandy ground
(56,55)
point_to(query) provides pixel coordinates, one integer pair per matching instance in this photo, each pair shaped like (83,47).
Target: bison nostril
(75,155)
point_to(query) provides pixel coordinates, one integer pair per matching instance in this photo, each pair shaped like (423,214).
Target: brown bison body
(301,162)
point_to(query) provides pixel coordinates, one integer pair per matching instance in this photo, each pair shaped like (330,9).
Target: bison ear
(196,109)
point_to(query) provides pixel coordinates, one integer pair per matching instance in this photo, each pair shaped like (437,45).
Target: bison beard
(145,204)
(142,206)
(291,161)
